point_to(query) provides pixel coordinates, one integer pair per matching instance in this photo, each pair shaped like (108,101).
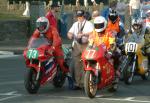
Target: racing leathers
(117,27)
(54,38)
(52,19)
(107,38)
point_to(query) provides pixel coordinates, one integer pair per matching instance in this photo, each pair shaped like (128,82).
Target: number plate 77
(90,53)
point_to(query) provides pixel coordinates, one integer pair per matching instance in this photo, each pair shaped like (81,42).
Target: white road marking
(10,95)
(109,99)
(11,82)
(129,98)
(6,98)
(114,99)
(6,53)
(7,56)
(14,94)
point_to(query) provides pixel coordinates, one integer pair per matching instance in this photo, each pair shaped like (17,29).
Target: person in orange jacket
(44,29)
(102,34)
(105,36)
(114,24)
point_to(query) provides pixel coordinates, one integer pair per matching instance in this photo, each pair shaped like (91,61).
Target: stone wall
(12,30)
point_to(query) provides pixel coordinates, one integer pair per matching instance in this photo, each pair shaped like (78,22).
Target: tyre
(145,76)
(114,86)
(59,78)
(90,85)
(31,84)
(128,77)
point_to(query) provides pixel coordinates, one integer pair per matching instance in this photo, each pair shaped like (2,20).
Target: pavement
(17,46)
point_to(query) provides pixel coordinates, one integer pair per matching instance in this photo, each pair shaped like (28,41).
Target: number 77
(91,53)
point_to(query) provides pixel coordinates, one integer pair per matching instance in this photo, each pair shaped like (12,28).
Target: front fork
(134,64)
(38,72)
(96,72)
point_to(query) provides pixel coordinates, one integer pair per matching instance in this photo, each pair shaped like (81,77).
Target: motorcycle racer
(141,32)
(116,25)
(44,29)
(103,35)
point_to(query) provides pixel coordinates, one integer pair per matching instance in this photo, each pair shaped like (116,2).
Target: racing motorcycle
(99,71)
(42,66)
(136,63)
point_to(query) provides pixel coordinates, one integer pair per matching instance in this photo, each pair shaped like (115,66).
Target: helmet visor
(113,18)
(99,26)
(41,26)
(136,26)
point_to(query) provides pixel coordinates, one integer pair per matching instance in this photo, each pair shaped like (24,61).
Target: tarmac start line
(14,94)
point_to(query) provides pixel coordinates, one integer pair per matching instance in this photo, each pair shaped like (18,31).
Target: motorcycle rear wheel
(114,86)
(59,78)
(90,85)
(145,76)
(31,84)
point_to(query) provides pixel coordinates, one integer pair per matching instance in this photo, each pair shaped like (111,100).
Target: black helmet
(113,15)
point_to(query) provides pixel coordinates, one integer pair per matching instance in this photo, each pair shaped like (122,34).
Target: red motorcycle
(99,71)
(42,66)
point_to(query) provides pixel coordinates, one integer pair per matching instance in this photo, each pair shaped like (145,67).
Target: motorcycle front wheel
(128,76)
(31,84)
(90,85)
(59,78)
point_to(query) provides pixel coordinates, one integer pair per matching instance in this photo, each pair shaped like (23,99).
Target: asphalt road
(12,70)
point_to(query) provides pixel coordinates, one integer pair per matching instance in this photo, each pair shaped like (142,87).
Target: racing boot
(69,77)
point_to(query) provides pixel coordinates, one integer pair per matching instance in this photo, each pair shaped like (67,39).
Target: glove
(50,50)
(108,54)
(90,46)
(53,47)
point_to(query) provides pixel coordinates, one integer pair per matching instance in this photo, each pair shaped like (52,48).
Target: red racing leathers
(53,36)
(52,19)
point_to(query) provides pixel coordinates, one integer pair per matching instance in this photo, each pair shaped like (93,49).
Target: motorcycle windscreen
(38,42)
(33,52)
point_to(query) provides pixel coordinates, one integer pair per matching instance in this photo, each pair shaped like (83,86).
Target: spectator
(51,14)
(105,11)
(134,8)
(94,2)
(94,15)
(79,32)
(121,6)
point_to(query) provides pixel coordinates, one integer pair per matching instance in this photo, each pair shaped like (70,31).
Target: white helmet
(100,24)
(42,24)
